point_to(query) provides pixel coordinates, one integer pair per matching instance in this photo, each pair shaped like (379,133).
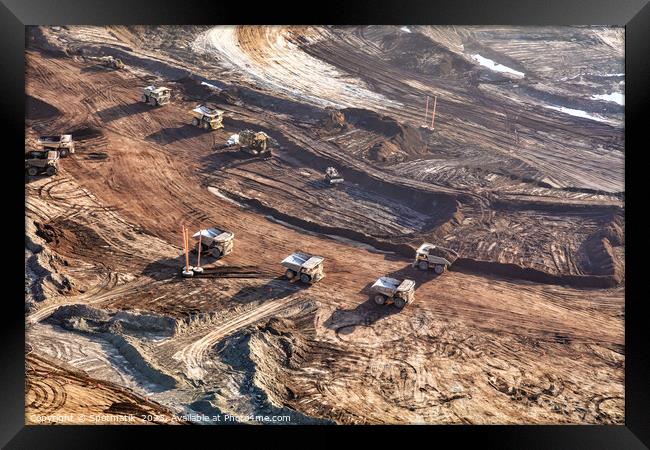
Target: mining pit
(522,178)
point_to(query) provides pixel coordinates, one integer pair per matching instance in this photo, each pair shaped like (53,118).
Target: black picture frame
(633,14)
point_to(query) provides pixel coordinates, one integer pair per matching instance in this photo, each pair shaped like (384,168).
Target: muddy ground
(522,177)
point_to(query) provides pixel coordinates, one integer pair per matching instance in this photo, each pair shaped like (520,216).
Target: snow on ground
(496,67)
(616,97)
(275,62)
(580,113)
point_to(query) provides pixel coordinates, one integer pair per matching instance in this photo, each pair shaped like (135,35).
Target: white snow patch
(211,86)
(615,97)
(215,191)
(580,113)
(279,63)
(496,67)
(352,242)
(604,75)
(406,29)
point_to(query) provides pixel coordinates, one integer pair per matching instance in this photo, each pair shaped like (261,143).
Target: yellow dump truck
(207,118)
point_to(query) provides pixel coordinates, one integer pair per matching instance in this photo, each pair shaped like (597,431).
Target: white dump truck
(427,256)
(401,293)
(208,118)
(215,241)
(156,96)
(332,176)
(308,268)
(62,143)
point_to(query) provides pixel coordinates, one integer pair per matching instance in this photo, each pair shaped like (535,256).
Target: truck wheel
(195,122)
(63,153)
(216,253)
(152,101)
(439,268)
(206,125)
(305,278)
(32,171)
(380,299)
(144,99)
(290,274)
(399,302)
(423,265)
(51,170)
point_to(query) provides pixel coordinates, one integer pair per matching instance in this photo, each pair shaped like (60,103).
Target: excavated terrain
(522,177)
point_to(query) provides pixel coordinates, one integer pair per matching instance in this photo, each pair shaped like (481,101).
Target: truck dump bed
(157,90)
(213,234)
(298,260)
(386,284)
(203,110)
(447,254)
(55,139)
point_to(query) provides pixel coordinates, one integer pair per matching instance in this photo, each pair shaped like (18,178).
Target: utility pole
(426,112)
(433,115)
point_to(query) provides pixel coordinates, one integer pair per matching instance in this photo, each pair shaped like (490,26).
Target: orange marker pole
(433,115)
(198,261)
(187,253)
(426,111)
(184,241)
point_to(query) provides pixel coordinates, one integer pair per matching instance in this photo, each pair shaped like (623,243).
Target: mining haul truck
(428,256)
(401,293)
(62,143)
(214,241)
(308,268)
(41,161)
(332,176)
(156,96)
(207,118)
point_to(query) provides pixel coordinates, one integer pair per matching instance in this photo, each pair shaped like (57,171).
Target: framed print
(395,216)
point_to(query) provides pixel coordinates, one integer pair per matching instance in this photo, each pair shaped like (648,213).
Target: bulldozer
(401,293)
(334,119)
(256,144)
(332,176)
(431,256)
(62,143)
(214,241)
(207,118)
(303,266)
(113,63)
(41,161)
(156,96)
